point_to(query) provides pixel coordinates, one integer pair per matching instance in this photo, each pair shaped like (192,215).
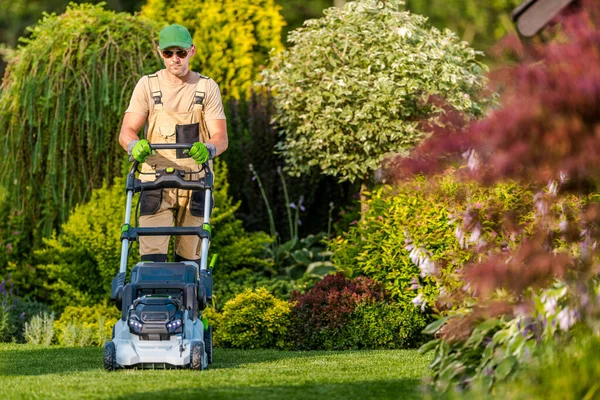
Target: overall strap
(155,91)
(200,92)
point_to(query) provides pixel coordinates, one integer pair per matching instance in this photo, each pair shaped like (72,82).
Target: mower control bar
(132,233)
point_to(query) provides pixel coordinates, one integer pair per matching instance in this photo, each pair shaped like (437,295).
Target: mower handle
(165,146)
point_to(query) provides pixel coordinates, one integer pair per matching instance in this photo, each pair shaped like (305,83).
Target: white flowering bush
(355,84)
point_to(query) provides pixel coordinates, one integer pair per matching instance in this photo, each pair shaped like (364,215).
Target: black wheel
(201,297)
(110,356)
(197,356)
(208,344)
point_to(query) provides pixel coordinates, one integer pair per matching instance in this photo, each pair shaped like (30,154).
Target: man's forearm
(126,136)
(220,142)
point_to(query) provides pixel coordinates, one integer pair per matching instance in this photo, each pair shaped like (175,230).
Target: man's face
(177,59)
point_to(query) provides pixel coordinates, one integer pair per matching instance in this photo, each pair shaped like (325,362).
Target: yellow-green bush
(233,37)
(255,320)
(417,220)
(86,326)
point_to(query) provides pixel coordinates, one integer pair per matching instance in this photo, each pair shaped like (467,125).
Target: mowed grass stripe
(30,372)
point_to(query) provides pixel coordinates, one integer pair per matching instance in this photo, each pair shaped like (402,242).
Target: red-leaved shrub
(339,313)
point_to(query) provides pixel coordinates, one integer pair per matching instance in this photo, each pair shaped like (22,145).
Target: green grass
(30,372)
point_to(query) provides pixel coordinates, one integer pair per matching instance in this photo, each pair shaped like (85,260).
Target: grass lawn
(32,372)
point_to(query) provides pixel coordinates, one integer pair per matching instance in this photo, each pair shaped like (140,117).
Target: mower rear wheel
(110,356)
(208,344)
(197,356)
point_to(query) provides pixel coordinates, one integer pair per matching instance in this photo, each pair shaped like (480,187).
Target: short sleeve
(140,98)
(213,105)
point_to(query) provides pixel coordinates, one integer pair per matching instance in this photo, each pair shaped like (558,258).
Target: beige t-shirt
(177,98)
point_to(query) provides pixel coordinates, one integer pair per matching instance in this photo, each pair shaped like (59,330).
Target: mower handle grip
(166,146)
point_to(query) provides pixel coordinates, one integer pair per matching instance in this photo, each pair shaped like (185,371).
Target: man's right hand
(141,150)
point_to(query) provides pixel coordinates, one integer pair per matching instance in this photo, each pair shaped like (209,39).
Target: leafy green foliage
(480,347)
(385,325)
(86,326)
(479,23)
(233,37)
(255,320)
(558,370)
(338,313)
(409,239)
(356,82)
(61,106)
(82,260)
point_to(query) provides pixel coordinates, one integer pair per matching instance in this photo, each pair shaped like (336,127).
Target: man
(176,105)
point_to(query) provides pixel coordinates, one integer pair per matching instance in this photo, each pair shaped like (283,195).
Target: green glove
(141,150)
(199,153)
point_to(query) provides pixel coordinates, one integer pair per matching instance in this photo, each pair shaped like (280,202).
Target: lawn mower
(161,324)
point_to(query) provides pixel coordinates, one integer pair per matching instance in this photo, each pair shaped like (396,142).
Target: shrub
(233,37)
(86,326)
(81,261)
(15,312)
(339,313)
(384,325)
(254,319)
(351,88)
(70,81)
(40,330)
(409,239)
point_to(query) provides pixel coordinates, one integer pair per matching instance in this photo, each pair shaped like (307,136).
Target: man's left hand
(199,153)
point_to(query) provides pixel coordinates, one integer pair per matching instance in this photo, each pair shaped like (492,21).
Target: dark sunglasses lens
(180,53)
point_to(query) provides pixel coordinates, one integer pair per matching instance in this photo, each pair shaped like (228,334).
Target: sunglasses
(180,53)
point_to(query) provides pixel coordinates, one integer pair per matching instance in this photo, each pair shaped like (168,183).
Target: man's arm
(132,123)
(218,134)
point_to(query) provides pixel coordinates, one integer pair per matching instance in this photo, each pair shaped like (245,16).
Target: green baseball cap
(175,36)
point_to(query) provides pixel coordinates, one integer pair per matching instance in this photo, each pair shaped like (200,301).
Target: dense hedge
(254,319)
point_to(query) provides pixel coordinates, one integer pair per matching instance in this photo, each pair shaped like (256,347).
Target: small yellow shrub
(86,326)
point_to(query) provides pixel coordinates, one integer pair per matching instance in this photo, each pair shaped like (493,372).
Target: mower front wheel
(197,356)
(110,356)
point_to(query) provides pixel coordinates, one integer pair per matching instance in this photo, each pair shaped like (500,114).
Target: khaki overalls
(166,207)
